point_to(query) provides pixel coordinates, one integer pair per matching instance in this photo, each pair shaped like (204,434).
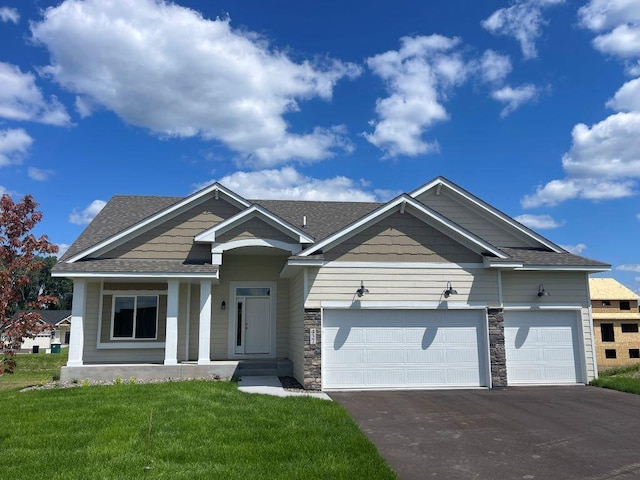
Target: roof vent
(304,221)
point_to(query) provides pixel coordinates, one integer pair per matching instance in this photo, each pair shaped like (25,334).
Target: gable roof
(51,317)
(610,289)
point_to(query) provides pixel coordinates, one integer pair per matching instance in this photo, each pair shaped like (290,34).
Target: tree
(42,283)
(18,260)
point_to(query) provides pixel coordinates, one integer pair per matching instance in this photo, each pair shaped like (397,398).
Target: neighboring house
(616,322)
(59,333)
(433,289)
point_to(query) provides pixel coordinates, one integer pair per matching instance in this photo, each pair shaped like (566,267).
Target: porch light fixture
(542,292)
(361,291)
(223,305)
(450,291)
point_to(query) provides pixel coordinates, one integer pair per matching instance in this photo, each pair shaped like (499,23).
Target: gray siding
(173,239)
(254,228)
(402,238)
(475,220)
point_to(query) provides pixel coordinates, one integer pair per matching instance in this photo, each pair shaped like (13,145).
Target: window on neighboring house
(135,317)
(606,303)
(610,353)
(624,305)
(606,332)
(634,353)
(629,328)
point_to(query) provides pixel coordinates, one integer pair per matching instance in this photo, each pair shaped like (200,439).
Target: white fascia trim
(137,275)
(401,202)
(400,265)
(253,211)
(294,248)
(555,268)
(293,266)
(541,307)
(398,305)
(488,208)
(149,222)
(125,345)
(507,265)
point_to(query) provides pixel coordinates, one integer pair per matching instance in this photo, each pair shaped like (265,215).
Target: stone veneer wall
(497,348)
(312,353)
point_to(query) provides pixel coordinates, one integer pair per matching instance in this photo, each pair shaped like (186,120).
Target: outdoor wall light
(450,291)
(223,305)
(542,292)
(361,291)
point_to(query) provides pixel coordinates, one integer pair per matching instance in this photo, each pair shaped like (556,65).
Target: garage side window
(606,332)
(135,317)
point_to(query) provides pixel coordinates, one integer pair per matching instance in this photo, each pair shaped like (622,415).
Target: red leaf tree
(19,249)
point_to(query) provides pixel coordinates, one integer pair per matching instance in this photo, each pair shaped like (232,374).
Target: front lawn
(623,379)
(196,429)
(33,369)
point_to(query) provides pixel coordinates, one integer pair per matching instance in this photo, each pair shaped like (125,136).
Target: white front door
(252,321)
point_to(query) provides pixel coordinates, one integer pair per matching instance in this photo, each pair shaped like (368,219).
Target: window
(606,303)
(624,305)
(610,353)
(606,332)
(634,353)
(629,328)
(135,317)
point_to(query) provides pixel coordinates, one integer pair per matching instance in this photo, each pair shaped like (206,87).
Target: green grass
(625,379)
(33,369)
(199,429)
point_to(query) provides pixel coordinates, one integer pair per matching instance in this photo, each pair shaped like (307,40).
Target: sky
(532,105)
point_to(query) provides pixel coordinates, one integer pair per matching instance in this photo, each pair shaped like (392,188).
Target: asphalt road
(575,432)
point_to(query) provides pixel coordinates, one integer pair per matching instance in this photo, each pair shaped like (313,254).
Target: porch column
(76,338)
(204,336)
(171,339)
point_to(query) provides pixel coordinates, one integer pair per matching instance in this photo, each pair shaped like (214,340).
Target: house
(432,289)
(59,322)
(615,322)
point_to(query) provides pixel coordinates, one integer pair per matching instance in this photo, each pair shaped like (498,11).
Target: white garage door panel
(542,347)
(379,349)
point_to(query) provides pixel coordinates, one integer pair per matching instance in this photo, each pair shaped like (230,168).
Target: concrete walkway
(270,385)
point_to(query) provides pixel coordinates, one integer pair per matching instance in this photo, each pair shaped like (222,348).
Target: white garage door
(378,349)
(542,347)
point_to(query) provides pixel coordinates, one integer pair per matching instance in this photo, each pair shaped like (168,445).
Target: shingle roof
(119,265)
(609,289)
(543,257)
(49,316)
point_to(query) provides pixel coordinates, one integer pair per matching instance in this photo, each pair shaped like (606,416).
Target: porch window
(135,317)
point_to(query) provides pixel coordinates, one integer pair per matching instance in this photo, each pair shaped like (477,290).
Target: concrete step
(257,372)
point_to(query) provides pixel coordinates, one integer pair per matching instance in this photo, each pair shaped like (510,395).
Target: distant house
(432,289)
(59,320)
(616,322)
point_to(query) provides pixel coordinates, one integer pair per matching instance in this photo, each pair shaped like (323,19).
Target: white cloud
(575,249)
(38,174)
(539,222)
(638,216)
(8,14)
(618,24)
(3,190)
(627,98)
(417,77)
(494,67)
(515,97)
(602,164)
(522,20)
(166,68)
(21,99)
(14,145)
(62,248)
(86,215)
(287,183)
(633,267)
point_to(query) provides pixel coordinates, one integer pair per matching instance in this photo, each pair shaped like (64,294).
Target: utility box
(55,348)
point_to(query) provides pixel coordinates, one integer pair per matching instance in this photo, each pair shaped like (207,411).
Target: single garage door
(378,349)
(542,347)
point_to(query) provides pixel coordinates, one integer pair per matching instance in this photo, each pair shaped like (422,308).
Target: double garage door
(379,349)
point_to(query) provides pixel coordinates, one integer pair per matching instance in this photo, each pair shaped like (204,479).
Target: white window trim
(113,313)
(232,309)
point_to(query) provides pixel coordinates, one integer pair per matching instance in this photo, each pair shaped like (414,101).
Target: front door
(253,321)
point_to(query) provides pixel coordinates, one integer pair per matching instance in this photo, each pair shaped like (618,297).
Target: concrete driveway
(561,433)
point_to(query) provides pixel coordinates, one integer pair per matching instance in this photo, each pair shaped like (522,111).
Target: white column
(204,335)
(171,339)
(76,338)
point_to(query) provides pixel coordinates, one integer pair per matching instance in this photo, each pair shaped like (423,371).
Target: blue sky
(532,105)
